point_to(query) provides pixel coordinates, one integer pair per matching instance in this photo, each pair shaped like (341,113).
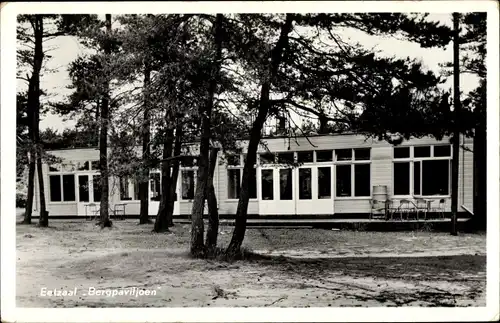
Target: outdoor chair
(440,209)
(422,206)
(390,209)
(119,210)
(91,211)
(377,206)
(407,207)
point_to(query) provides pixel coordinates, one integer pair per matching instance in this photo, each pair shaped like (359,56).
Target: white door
(89,194)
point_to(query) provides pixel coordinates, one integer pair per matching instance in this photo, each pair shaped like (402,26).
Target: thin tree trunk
(31,187)
(213,212)
(103,145)
(241,213)
(456,130)
(161,223)
(197,228)
(175,174)
(144,183)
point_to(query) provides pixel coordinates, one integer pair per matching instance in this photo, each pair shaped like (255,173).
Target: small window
(442,151)
(362,180)
(324,182)
(267,158)
(343,154)
(55,188)
(233,160)
(401,152)
(305,184)
(362,154)
(324,156)
(285,158)
(305,157)
(267,184)
(187,185)
(234,183)
(401,178)
(343,180)
(422,151)
(69,188)
(96,165)
(83,188)
(286,190)
(83,165)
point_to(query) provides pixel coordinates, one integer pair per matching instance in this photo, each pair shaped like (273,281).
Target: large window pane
(83,188)
(97,188)
(155,184)
(343,180)
(362,154)
(286,190)
(401,152)
(305,156)
(252,185)
(416,178)
(362,180)
(234,184)
(435,177)
(324,182)
(442,151)
(401,178)
(267,184)
(324,156)
(305,184)
(343,154)
(69,188)
(188,184)
(55,188)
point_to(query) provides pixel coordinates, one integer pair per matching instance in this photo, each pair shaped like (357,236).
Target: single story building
(338,176)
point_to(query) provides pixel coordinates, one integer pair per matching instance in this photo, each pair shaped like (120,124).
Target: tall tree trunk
(480,178)
(264,105)
(34,112)
(31,185)
(175,174)
(456,128)
(161,223)
(103,144)
(144,183)
(197,229)
(213,212)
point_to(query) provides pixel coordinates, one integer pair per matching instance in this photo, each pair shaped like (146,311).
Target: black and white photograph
(220,159)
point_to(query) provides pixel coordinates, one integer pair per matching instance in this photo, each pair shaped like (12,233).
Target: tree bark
(264,105)
(103,144)
(213,212)
(456,127)
(146,134)
(175,174)
(197,228)
(31,185)
(161,223)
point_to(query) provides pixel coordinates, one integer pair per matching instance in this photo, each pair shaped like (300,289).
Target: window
(305,156)
(155,183)
(286,190)
(422,151)
(285,158)
(267,184)
(305,184)
(324,182)
(362,154)
(55,188)
(84,165)
(234,184)
(343,180)
(343,154)
(324,156)
(97,188)
(442,151)
(233,160)
(435,177)
(267,158)
(362,180)
(83,188)
(129,189)
(187,184)
(252,185)
(401,152)
(62,188)
(416,177)
(402,178)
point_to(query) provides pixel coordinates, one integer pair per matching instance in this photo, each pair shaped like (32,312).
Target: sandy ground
(303,268)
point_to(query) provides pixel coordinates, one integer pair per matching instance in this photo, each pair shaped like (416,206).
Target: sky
(66,49)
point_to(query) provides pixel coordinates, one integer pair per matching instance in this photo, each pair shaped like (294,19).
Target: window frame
(241,166)
(412,160)
(61,186)
(352,162)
